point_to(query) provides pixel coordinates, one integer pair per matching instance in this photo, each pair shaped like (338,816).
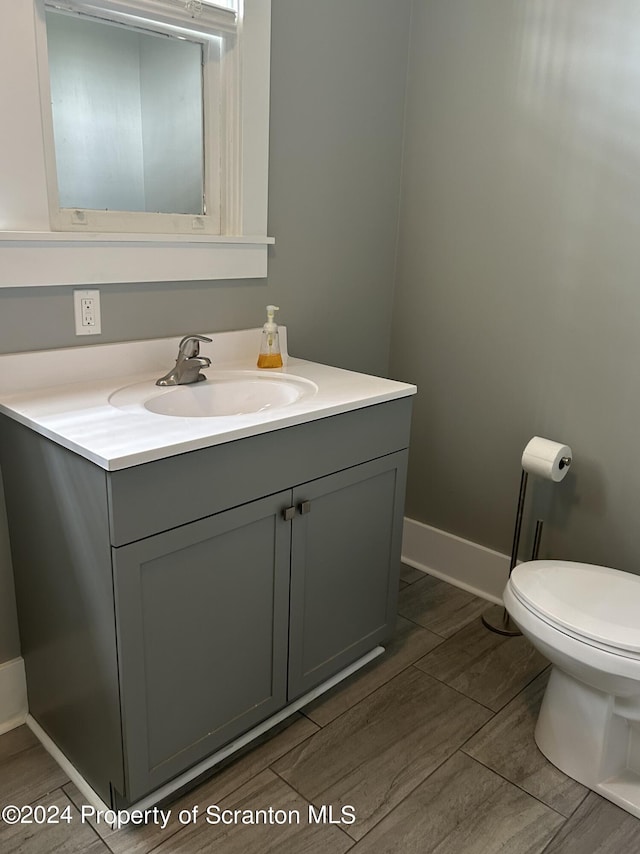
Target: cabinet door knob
(305,507)
(288,513)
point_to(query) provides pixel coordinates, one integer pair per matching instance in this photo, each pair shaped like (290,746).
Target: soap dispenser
(270,356)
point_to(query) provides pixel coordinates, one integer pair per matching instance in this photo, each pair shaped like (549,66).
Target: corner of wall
(13,695)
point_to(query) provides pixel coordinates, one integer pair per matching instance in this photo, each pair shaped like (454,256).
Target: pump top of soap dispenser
(270,325)
(270,356)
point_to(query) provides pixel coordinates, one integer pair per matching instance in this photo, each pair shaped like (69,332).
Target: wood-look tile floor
(430,748)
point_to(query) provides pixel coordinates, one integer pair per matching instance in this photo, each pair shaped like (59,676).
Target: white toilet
(586,620)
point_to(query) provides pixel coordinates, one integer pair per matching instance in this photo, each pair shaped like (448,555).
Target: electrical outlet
(86,309)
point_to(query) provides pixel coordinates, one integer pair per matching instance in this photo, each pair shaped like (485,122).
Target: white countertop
(79,416)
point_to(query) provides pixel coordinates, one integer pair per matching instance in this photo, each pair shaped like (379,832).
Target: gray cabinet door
(345,561)
(202,615)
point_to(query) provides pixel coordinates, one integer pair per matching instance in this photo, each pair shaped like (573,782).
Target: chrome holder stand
(496,618)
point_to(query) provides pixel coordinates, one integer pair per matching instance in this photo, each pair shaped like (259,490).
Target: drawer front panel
(158,496)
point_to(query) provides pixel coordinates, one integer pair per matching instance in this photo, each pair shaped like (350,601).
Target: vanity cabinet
(169,607)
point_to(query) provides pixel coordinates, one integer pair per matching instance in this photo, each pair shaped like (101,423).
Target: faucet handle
(190,345)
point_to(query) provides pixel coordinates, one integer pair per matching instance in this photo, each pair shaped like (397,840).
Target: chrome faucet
(188,363)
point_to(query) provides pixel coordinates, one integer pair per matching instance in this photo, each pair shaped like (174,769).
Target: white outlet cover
(95,326)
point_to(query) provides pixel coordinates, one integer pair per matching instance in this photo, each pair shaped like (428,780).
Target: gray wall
(9,641)
(335,154)
(517,306)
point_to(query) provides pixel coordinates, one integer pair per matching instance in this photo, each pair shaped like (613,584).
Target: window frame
(221,144)
(33,252)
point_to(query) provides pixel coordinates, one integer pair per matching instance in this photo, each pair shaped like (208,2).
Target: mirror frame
(33,254)
(221,144)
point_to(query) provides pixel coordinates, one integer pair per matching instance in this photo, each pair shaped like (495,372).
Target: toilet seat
(593,604)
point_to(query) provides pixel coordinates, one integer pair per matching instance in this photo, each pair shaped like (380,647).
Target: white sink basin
(222,394)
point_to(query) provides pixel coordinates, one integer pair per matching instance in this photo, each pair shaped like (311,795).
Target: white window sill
(120,237)
(36,259)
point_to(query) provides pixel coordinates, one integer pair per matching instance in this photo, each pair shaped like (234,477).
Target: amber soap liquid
(269,360)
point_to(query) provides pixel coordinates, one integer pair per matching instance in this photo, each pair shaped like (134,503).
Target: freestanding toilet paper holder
(496,618)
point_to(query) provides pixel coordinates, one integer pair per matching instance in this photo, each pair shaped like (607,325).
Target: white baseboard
(465,564)
(13,695)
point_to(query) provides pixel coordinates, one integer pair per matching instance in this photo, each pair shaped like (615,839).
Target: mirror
(127,110)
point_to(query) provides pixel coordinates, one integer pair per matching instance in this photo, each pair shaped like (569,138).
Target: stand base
(497,619)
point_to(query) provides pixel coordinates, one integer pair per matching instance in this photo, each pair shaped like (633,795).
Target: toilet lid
(594,602)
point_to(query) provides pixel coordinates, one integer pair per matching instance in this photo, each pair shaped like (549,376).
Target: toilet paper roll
(546,459)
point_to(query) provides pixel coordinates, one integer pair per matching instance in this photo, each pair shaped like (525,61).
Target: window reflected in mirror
(127,110)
